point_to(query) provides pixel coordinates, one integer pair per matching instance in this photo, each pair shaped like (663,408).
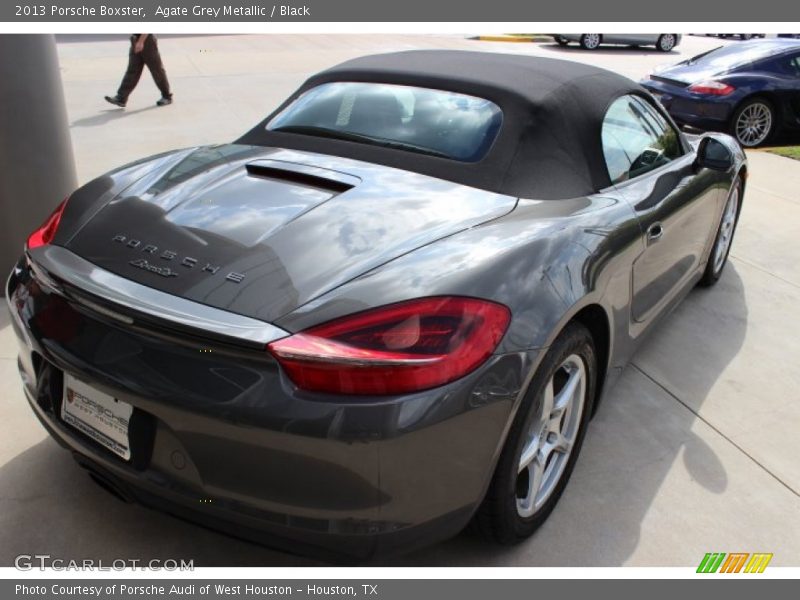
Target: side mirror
(713,154)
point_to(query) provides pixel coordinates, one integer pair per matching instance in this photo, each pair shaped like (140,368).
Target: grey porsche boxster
(389,309)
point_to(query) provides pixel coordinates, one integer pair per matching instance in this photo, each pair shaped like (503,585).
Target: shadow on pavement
(108,115)
(783,139)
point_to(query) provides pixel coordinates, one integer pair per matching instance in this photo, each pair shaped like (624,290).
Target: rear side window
(787,65)
(636,139)
(406,118)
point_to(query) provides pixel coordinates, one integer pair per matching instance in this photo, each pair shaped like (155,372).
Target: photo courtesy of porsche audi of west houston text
(151,590)
(162,11)
(388,310)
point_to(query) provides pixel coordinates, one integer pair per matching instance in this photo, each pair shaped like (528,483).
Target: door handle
(654,232)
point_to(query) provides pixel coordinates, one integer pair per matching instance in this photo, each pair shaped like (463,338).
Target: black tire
(745,36)
(590,41)
(561,40)
(497,518)
(666,42)
(747,105)
(714,269)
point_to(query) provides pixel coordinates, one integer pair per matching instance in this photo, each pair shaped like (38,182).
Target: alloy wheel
(726,230)
(754,124)
(590,41)
(551,435)
(666,42)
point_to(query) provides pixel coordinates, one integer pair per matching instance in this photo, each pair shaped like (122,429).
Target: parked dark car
(388,309)
(751,90)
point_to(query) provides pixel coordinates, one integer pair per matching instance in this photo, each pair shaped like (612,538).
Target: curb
(514,38)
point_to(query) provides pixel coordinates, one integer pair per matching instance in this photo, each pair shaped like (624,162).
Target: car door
(642,38)
(677,205)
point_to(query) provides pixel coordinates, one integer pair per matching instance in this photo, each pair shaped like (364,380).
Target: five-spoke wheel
(722,243)
(551,435)
(544,440)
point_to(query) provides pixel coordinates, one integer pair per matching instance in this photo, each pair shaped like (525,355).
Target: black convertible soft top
(549,144)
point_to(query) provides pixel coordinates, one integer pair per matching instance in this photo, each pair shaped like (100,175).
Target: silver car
(664,42)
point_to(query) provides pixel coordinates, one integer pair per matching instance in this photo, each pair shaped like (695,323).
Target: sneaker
(116,101)
(164,101)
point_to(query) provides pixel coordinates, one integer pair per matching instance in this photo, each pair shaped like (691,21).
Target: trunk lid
(261,231)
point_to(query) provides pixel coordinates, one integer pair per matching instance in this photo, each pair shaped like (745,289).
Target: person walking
(143,52)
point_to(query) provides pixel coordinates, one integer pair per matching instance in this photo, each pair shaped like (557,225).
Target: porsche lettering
(169,255)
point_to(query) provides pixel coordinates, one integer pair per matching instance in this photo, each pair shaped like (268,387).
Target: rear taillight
(400,348)
(711,88)
(45,234)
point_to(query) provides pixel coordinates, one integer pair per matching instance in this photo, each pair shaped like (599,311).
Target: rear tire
(753,123)
(546,437)
(561,40)
(590,41)
(724,238)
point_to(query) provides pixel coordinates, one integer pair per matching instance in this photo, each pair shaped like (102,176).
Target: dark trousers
(137,61)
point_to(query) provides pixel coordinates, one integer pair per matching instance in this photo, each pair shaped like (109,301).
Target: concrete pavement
(694,451)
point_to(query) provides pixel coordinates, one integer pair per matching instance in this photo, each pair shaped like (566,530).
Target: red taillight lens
(711,88)
(45,234)
(400,348)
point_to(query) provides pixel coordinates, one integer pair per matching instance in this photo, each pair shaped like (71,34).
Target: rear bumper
(221,437)
(334,540)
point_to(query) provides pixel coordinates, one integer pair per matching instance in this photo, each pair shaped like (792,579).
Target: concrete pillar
(37,169)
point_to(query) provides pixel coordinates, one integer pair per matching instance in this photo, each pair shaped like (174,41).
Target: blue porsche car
(750,90)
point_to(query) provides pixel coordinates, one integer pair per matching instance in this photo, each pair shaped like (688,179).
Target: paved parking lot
(694,451)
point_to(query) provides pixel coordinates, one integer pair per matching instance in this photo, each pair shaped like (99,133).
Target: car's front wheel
(724,237)
(666,42)
(561,40)
(544,440)
(753,122)
(590,41)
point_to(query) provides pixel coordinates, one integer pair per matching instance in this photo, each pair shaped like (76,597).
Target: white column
(37,169)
